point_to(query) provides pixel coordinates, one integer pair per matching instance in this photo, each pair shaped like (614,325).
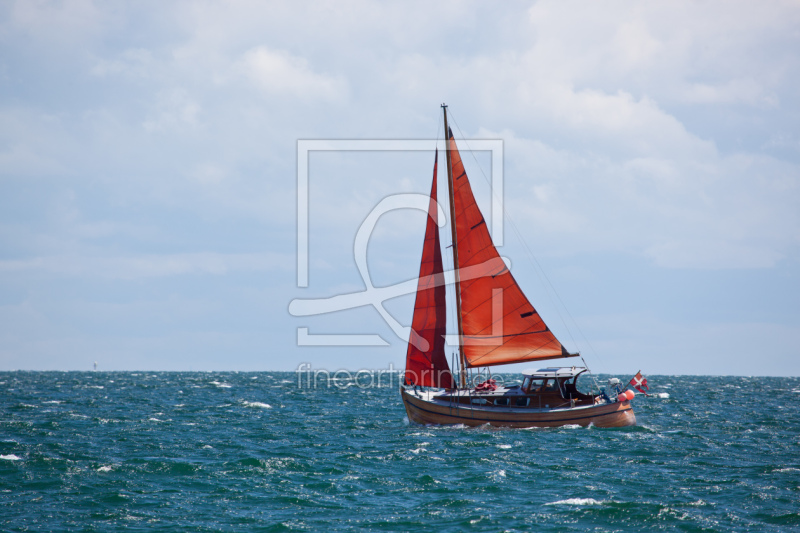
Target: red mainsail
(426,363)
(499,323)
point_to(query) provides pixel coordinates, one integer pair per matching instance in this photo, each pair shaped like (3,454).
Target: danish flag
(640,381)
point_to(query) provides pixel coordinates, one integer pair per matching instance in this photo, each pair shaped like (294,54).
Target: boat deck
(433,407)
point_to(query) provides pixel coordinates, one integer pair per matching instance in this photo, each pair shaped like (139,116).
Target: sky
(150,176)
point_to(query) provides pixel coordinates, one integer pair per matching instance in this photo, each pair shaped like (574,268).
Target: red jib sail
(499,323)
(426,363)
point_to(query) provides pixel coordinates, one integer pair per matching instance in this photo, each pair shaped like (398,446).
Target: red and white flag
(640,381)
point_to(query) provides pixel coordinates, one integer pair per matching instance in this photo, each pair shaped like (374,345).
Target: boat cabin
(553,379)
(554,385)
(547,388)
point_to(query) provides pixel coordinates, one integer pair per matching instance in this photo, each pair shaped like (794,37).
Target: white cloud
(279,73)
(175,109)
(63,24)
(662,130)
(133,62)
(689,208)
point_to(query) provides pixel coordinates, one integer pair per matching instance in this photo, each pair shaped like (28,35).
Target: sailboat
(497,325)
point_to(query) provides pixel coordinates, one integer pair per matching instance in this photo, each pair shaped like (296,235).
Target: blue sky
(148,175)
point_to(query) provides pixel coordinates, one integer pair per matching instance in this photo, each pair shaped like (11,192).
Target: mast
(450,188)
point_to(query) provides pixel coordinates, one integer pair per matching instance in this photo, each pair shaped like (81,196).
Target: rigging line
(596,386)
(552,288)
(538,268)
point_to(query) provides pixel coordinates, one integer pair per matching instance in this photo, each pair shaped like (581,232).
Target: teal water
(143,451)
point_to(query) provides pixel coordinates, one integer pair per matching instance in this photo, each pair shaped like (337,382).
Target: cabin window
(479,401)
(501,401)
(526,383)
(550,385)
(523,402)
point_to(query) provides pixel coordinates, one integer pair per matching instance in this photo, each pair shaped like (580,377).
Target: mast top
(444,105)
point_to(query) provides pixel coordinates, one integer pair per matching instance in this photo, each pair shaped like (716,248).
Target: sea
(271,451)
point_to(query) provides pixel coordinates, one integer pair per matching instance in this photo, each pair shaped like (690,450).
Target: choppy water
(253,451)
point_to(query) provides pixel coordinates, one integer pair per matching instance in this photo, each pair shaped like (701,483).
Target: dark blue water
(256,452)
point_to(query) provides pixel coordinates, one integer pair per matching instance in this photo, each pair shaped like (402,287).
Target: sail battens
(505,335)
(501,272)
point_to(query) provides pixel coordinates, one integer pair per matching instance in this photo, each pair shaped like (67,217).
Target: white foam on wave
(504,446)
(660,395)
(10,457)
(578,501)
(221,385)
(261,405)
(418,450)
(104,469)
(53,401)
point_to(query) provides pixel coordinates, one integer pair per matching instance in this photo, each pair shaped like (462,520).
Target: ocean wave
(498,474)
(10,457)
(578,501)
(261,405)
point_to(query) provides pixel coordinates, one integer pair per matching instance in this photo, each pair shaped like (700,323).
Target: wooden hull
(422,408)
